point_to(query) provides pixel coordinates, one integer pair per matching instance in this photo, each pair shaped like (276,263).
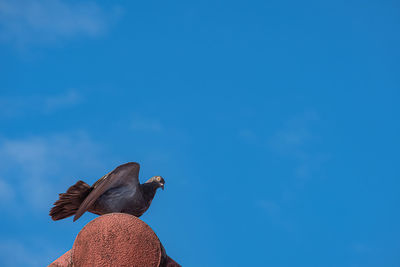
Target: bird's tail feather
(69,202)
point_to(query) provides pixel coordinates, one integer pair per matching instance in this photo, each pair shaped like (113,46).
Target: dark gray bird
(117,191)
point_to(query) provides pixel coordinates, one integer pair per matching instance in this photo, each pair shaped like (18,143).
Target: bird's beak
(162,186)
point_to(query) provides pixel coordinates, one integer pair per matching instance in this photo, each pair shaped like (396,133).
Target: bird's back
(127,199)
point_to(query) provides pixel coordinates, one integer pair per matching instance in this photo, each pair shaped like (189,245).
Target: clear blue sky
(274,123)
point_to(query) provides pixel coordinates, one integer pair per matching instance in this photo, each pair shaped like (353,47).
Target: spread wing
(122,175)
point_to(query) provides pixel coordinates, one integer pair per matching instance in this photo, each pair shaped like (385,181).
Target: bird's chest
(136,210)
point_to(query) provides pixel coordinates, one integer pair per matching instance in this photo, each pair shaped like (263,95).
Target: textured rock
(116,239)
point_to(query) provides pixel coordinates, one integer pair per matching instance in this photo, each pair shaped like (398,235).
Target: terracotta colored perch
(116,239)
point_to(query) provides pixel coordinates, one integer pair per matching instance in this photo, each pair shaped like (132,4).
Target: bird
(117,191)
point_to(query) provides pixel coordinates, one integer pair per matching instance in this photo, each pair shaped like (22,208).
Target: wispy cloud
(275,212)
(248,135)
(296,144)
(66,99)
(6,191)
(145,124)
(272,208)
(295,135)
(9,250)
(14,106)
(360,247)
(36,21)
(16,253)
(294,140)
(38,164)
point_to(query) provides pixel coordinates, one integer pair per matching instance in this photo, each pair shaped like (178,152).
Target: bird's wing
(122,175)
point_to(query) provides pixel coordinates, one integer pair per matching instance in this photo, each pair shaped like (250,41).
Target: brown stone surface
(63,261)
(116,239)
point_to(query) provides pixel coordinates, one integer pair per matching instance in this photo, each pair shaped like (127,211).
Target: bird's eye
(158,179)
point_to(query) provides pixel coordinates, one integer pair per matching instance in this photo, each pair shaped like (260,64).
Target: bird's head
(158,181)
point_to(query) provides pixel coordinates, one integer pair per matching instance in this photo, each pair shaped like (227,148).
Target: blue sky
(274,123)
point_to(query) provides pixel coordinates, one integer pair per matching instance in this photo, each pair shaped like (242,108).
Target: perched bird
(117,191)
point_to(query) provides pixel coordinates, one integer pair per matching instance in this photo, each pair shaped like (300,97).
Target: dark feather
(123,175)
(69,202)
